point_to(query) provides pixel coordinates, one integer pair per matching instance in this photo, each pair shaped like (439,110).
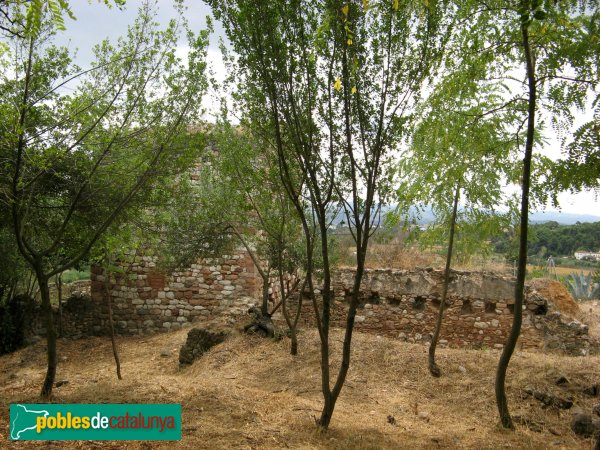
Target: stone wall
(146,300)
(399,304)
(79,316)
(479,312)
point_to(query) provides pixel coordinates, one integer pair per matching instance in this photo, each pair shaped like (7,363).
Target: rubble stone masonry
(395,303)
(146,300)
(479,310)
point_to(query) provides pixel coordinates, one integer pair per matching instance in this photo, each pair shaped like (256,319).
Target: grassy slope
(250,393)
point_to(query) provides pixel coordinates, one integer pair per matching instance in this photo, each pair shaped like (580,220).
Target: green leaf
(540,15)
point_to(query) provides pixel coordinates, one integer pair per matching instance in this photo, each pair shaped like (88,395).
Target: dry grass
(560,270)
(569,270)
(398,256)
(485,263)
(249,393)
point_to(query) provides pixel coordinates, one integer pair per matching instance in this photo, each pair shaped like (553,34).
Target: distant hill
(562,218)
(426,216)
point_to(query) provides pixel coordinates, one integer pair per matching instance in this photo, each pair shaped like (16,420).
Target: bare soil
(558,294)
(249,393)
(590,314)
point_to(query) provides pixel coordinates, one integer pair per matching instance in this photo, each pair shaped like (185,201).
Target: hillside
(552,238)
(250,393)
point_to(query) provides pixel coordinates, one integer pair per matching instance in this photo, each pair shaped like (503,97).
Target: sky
(95,22)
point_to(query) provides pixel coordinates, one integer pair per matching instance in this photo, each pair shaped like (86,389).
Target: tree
(330,88)
(580,169)
(551,42)
(109,253)
(459,150)
(563,239)
(75,161)
(239,182)
(108,270)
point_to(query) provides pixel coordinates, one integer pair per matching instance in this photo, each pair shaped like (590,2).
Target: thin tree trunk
(294,342)
(292,324)
(294,328)
(111,327)
(264,309)
(112,338)
(511,342)
(433,367)
(361,239)
(60,297)
(329,401)
(285,294)
(331,395)
(7,293)
(50,335)
(31,282)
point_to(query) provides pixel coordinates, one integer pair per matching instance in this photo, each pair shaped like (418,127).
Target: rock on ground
(198,341)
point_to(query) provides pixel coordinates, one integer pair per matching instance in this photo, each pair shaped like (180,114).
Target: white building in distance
(587,255)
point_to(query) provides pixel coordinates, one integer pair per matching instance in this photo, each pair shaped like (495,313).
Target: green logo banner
(101,422)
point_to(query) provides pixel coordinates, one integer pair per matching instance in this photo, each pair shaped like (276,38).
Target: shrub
(16,316)
(582,287)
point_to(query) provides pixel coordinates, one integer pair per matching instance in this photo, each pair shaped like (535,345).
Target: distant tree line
(552,238)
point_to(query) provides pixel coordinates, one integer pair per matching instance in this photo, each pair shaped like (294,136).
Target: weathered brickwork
(479,310)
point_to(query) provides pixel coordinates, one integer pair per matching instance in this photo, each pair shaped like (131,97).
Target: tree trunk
(50,336)
(511,343)
(111,327)
(433,367)
(285,295)
(292,324)
(361,238)
(60,297)
(264,309)
(294,343)
(327,412)
(31,282)
(331,399)
(6,293)
(329,402)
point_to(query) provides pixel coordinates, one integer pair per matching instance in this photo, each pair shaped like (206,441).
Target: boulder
(585,425)
(198,341)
